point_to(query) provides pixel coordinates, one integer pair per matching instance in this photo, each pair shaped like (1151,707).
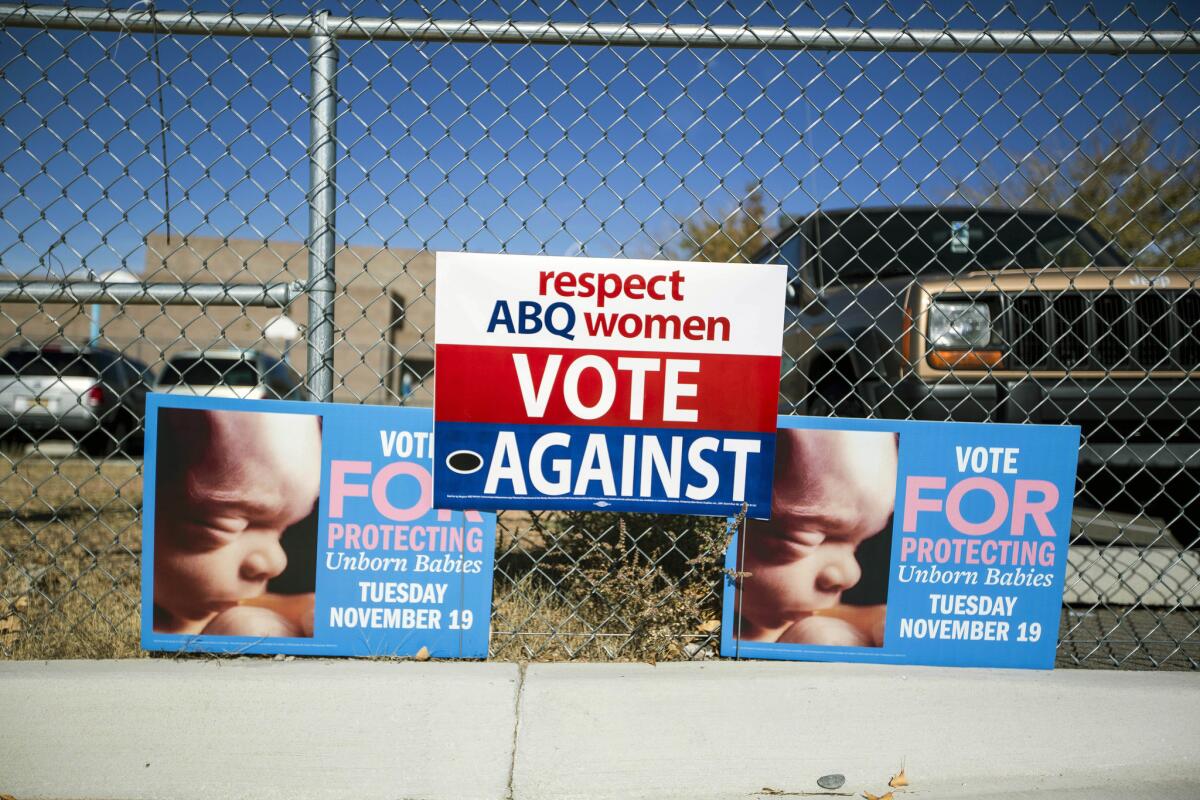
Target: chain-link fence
(986,217)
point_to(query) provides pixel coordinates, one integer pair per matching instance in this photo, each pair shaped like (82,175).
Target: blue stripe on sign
(585,468)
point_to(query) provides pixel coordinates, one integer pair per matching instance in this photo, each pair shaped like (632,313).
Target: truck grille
(1151,330)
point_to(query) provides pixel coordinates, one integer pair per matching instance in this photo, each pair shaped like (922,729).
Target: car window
(292,381)
(789,253)
(413,373)
(136,367)
(141,371)
(61,363)
(117,373)
(277,377)
(288,376)
(208,371)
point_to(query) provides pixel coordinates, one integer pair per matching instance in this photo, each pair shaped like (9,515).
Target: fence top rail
(277,295)
(1110,42)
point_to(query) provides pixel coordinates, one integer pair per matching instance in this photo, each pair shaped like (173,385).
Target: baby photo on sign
(817,571)
(235,522)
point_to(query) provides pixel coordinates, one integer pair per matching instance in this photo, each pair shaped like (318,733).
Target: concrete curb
(313,728)
(729,729)
(157,728)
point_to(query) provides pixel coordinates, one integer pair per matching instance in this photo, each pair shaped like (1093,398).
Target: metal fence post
(322,107)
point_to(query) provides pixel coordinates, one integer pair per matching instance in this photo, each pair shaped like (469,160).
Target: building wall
(383,314)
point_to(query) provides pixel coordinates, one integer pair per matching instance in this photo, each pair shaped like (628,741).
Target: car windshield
(202,371)
(61,363)
(862,246)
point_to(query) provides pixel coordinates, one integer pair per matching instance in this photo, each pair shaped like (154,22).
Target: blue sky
(601,151)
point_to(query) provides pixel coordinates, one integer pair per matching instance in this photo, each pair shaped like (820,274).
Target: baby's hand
(251,621)
(297,609)
(825,630)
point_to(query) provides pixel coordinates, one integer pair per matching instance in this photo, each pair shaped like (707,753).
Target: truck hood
(1056,278)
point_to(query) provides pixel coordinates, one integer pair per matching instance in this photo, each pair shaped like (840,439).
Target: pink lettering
(972,552)
(475,540)
(1040,511)
(954,504)
(379,491)
(339,489)
(914,503)
(925,550)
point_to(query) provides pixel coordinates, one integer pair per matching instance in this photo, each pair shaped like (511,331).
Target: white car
(244,374)
(90,395)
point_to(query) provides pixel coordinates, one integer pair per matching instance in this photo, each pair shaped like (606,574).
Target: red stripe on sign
(615,388)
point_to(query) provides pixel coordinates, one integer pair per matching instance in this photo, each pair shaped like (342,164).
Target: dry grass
(70,549)
(567,587)
(70,540)
(532,622)
(612,587)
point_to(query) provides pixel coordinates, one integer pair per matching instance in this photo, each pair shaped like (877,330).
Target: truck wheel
(107,441)
(835,397)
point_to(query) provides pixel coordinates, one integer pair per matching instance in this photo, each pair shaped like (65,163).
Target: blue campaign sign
(906,542)
(306,528)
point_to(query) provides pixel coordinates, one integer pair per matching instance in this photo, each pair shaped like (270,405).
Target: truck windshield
(861,246)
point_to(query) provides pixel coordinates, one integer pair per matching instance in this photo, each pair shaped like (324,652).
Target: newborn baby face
(833,489)
(230,483)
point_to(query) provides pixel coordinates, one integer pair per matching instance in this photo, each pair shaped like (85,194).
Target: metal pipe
(277,295)
(322,161)
(754,37)
(769,37)
(154,21)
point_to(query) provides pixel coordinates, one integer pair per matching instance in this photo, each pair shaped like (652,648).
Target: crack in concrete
(512,763)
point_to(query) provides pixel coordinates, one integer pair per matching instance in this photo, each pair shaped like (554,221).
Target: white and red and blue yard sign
(606,384)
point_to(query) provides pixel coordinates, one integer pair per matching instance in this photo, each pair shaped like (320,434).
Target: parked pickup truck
(969,314)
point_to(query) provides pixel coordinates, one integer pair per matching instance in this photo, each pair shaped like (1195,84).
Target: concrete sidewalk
(254,728)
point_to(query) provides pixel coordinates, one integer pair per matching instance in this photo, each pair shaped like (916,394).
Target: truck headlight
(959,325)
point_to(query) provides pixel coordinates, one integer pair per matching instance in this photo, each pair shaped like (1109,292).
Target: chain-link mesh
(986,218)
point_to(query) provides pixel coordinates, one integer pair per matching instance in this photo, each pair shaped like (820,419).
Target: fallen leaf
(10,627)
(888,796)
(898,780)
(422,654)
(709,626)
